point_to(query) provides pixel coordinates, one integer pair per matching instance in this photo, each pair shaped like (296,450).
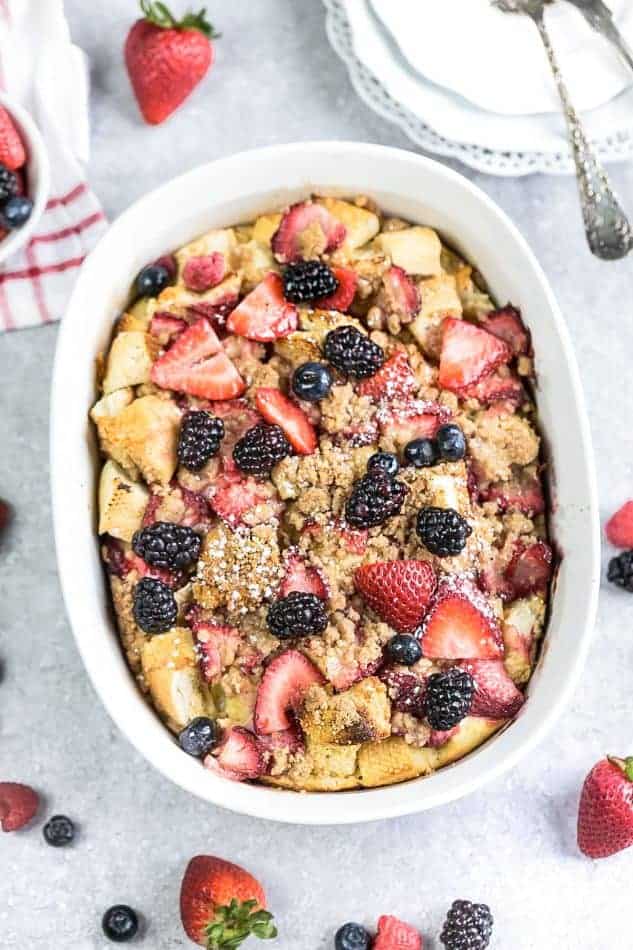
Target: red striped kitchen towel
(46,73)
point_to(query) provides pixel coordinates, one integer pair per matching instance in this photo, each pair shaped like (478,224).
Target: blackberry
(353,353)
(152,280)
(422,453)
(352,936)
(199,736)
(449,696)
(451,442)
(442,530)
(259,449)
(167,545)
(59,831)
(467,927)
(374,499)
(200,436)
(403,649)
(120,923)
(385,461)
(620,570)
(312,381)
(297,615)
(8,183)
(308,280)
(155,607)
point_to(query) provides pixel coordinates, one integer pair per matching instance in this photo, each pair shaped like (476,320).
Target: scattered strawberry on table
(15,206)
(619,531)
(605,814)
(221,904)
(5,514)
(166,58)
(18,805)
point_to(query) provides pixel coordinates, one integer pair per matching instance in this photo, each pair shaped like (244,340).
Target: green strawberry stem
(233,924)
(160,15)
(626,765)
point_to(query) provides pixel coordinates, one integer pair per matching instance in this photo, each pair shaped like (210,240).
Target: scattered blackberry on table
(442,530)
(422,453)
(120,923)
(352,936)
(308,280)
(312,381)
(353,353)
(168,545)
(152,280)
(199,736)
(155,608)
(620,570)
(15,212)
(259,449)
(58,831)
(403,649)
(449,696)
(297,615)
(375,498)
(8,183)
(451,442)
(467,927)
(200,436)
(385,462)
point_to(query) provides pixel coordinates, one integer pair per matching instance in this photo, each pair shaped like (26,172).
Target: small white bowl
(37,176)
(235,190)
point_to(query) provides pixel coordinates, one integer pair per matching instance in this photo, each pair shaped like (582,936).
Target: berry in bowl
(24,177)
(323,508)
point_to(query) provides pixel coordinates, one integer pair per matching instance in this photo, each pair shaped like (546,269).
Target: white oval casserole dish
(237,189)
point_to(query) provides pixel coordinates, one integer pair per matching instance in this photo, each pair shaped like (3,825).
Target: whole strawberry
(399,591)
(221,904)
(605,815)
(166,58)
(12,152)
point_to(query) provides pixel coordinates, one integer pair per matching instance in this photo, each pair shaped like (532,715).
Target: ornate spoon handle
(608,230)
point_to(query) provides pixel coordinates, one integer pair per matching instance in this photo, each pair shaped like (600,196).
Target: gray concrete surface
(511,844)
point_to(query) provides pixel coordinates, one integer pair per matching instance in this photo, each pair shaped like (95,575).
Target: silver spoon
(608,230)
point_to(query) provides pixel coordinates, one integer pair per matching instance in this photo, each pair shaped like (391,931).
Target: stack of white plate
(467,81)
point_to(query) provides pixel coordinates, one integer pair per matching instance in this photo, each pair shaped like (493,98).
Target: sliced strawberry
(169,262)
(232,496)
(301,577)
(238,417)
(496,696)
(344,294)
(216,646)
(506,323)
(461,624)
(343,672)
(407,691)
(530,569)
(238,755)
(468,354)
(173,579)
(202,273)
(394,934)
(288,241)
(440,737)
(216,310)
(12,150)
(5,514)
(289,741)
(492,580)
(264,314)
(395,380)
(210,884)
(413,419)
(354,539)
(196,514)
(398,591)
(282,686)
(619,527)
(194,364)
(166,327)
(18,805)
(521,494)
(279,410)
(498,387)
(399,293)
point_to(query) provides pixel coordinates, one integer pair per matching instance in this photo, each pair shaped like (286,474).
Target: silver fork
(609,233)
(599,16)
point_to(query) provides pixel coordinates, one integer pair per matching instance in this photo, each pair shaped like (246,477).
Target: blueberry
(451,442)
(59,831)
(120,923)
(404,649)
(312,381)
(422,452)
(385,461)
(352,937)
(151,280)
(16,212)
(199,736)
